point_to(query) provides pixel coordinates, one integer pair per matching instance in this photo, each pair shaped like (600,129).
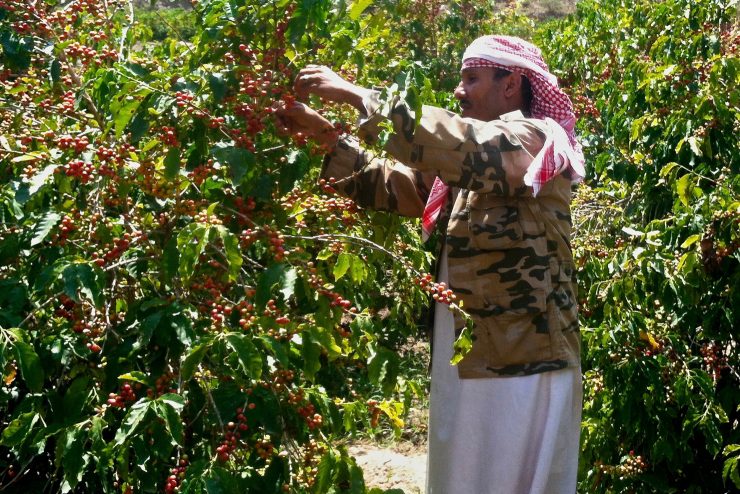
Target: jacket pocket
(512,329)
(493,221)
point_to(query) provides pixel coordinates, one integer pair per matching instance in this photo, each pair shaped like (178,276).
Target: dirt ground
(401,466)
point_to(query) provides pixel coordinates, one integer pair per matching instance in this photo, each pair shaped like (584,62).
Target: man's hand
(327,84)
(297,118)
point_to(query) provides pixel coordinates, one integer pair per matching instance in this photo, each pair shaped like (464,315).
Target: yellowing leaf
(648,338)
(358,7)
(10,373)
(344,261)
(690,241)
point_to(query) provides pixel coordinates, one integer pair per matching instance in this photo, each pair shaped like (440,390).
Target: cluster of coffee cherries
(200,173)
(115,250)
(125,397)
(67,228)
(330,208)
(313,419)
(66,308)
(714,361)
(242,139)
(311,453)
(264,447)
(150,182)
(183,99)
(232,440)
(176,475)
(244,208)
(632,466)
(79,169)
(213,287)
(585,106)
(274,312)
(67,105)
(78,144)
(335,299)
(276,242)
(440,292)
(168,136)
(163,385)
(246,314)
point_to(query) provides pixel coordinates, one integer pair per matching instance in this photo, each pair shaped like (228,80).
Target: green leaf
(16,49)
(170,258)
(298,165)
(18,429)
(344,261)
(40,179)
(133,420)
(168,408)
(690,241)
(325,338)
(172,163)
(383,367)
(695,145)
(311,353)
(667,169)
(358,7)
(192,360)
(463,343)
(247,354)
(270,277)
(173,400)
(44,227)
(124,105)
(191,242)
(218,86)
(55,71)
(278,349)
(325,472)
(632,232)
(76,398)
(239,160)
(32,156)
(71,450)
(85,279)
(135,376)
(730,469)
(30,364)
(684,188)
(358,270)
(288,282)
(232,252)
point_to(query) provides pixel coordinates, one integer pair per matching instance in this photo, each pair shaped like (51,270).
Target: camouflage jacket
(509,255)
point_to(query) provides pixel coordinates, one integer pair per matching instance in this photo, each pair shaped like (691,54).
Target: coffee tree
(657,231)
(183,308)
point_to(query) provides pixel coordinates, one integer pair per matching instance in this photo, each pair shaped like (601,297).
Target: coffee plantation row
(184,307)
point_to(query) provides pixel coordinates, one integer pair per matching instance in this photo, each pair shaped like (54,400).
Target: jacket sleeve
(377,183)
(484,157)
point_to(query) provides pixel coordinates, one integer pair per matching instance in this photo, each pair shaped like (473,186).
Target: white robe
(510,435)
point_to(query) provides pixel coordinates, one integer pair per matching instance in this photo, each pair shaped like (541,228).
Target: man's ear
(513,85)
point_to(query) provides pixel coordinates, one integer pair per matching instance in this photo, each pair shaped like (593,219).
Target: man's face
(481,96)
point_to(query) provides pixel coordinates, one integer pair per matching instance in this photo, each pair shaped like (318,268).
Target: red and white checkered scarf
(560,152)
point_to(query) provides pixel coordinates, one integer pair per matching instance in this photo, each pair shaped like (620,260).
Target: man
(506,419)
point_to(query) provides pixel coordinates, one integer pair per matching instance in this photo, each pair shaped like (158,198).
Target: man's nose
(459,92)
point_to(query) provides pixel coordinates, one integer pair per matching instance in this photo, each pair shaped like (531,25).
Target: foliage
(657,237)
(183,307)
(165,24)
